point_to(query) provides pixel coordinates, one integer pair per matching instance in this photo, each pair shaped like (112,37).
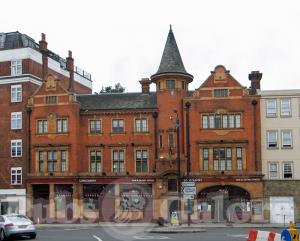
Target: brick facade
(28,78)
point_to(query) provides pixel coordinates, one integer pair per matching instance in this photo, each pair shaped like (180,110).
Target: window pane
(224,121)
(204,121)
(211,121)
(231,121)
(285,107)
(217,121)
(238,121)
(271,107)
(286,138)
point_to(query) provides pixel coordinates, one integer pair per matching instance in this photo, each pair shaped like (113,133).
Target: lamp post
(178,162)
(188,147)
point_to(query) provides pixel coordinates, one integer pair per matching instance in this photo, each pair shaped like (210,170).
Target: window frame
(239,159)
(291,172)
(170,184)
(53,161)
(16,141)
(277,170)
(282,139)
(118,161)
(170,84)
(65,160)
(14,93)
(267,139)
(141,127)
(117,131)
(14,172)
(44,128)
(142,160)
(62,128)
(171,141)
(98,163)
(289,113)
(18,118)
(205,159)
(220,93)
(16,67)
(271,114)
(92,126)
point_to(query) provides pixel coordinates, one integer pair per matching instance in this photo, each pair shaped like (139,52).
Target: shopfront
(90,200)
(12,201)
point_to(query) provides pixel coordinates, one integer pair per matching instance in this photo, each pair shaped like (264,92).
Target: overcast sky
(123,40)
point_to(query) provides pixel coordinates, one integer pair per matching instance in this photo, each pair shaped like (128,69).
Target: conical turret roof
(171,61)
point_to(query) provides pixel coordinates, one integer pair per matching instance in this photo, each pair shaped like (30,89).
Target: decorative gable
(220,73)
(220,84)
(50,83)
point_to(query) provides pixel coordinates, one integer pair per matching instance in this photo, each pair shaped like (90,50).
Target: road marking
(96,237)
(150,237)
(74,229)
(238,235)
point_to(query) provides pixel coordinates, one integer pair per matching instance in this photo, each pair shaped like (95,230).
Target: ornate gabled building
(23,67)
(115,156)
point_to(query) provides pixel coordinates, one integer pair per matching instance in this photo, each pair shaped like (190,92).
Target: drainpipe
(29,110)
(254,103)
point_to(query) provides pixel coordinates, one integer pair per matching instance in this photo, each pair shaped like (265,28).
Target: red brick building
(115,156)
(23,66)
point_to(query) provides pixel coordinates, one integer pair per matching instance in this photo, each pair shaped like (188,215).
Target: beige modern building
(280,140)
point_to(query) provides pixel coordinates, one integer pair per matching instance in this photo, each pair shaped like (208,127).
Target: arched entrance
(224,203)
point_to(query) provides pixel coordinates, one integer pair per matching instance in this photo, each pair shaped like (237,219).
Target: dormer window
(220,92)
(170,84)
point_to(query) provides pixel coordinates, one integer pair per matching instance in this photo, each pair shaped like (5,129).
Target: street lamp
(188,147)
(178,161)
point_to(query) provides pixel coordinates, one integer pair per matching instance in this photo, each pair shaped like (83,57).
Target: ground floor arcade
(142,200)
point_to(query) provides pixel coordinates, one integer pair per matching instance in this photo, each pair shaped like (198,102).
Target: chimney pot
(255,77)
(43,37)
(145,82)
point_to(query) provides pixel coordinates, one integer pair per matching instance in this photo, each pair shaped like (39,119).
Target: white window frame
(16,120)
(18,141)
(14,172)
(291,139)
(14,90)
(271,114)
(292,170)
(277,170)
(268,138)
(289,112)
(141,125)
(16,67)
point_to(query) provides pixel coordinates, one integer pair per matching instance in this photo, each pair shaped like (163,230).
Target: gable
(51,91)
(220,80)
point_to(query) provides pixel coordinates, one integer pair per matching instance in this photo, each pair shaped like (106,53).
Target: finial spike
(170,27)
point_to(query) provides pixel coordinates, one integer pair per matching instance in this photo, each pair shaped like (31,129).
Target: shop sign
(188,184)
(87,180)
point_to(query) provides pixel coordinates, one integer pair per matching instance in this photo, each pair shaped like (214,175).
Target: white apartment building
(280,147)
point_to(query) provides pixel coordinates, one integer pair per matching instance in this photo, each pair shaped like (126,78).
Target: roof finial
(170,27)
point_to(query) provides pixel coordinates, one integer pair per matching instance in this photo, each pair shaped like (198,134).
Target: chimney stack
(70,68)
(44,51)
(145,82)
(255,77)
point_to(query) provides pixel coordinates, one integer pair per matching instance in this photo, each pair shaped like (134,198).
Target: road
(138,233)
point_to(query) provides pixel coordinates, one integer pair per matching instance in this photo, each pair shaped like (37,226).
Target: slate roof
(171,61)
(117,101)
(15,40)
